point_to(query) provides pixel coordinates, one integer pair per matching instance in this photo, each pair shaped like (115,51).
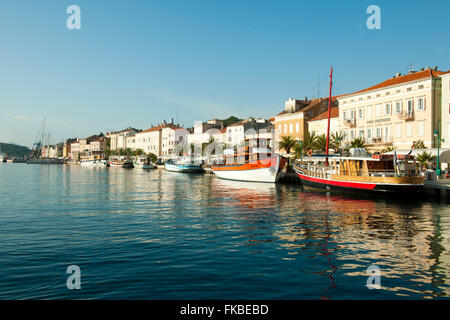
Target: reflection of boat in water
(185,164)
(378,173)
(247,194)
(251,162)
(120,161)
(143,162)
(46,161)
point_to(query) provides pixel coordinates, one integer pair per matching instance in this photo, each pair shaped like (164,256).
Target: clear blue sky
(134,62)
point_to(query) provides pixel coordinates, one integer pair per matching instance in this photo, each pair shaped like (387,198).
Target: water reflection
(237,239)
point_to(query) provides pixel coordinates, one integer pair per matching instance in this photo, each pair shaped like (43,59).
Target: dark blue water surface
(139,234)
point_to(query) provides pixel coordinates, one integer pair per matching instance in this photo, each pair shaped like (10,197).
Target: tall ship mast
(386,173)
(37,154)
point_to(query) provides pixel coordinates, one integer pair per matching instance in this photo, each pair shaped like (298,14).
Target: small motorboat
(184,164)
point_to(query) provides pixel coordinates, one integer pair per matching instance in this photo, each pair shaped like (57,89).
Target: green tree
(321,143)
(152,156)
(419,144)
(336,139)
(358,143)
(138,152)
(287,143)
(425,158)
(388,149)
(309,142)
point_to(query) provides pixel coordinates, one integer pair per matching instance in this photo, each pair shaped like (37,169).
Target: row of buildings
(393,113)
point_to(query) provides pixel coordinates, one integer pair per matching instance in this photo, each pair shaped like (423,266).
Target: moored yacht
(389,173)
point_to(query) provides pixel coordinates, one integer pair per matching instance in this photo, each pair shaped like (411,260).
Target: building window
(345,115)
(388,109)
(398,107)
(360,113)
(410,107)
(421,129)
(285,128)
(352,134)
(378,110)
(421,104)
(378,132)
(369,112)
(291,127)
(279,128)
(387,134)
(398,131)
(361,134)
(297,127)
(369,135)
(408,130)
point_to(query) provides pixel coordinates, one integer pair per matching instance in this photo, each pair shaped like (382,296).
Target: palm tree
(336,139)
(388,149)
(425,158)
(419,144)
(321,143)
(358,143)
(309,142)
(287,143)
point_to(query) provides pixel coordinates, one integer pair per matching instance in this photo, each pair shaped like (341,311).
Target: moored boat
(120,161)
(184,164)
(250,163)
(386,173)
(143,162)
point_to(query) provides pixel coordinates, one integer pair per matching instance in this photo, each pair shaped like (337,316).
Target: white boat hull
(183,167)
(144,166)
(256,175)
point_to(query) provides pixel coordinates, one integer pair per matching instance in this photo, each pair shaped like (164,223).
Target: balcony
(351,123)
(407,116)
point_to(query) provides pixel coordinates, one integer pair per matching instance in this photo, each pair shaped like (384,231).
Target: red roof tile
(334,113)
(402,79)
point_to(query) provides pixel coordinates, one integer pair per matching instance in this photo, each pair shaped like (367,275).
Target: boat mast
(43,138)
(329,115)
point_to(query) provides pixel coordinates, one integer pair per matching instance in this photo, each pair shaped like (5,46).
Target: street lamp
(439,140)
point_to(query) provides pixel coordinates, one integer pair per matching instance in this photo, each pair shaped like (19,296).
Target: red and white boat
(251,163)
(388,173)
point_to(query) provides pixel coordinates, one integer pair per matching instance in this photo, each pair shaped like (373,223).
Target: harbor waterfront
(153,234)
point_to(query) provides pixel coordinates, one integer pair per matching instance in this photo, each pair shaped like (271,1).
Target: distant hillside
(230,120)
(14,150)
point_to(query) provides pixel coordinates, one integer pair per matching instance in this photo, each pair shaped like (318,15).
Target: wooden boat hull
(369,184)
(262,170)
(121,164)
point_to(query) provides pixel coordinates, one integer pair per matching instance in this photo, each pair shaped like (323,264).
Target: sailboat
(386,173)
(37,155)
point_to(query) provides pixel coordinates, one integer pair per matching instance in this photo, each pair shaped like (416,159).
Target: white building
(395,112)
(203,131)
(236,133)
(171,135)
(445,109)
(118,139)
(319,124)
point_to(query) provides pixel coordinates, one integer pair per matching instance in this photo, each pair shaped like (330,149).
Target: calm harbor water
(139,234)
